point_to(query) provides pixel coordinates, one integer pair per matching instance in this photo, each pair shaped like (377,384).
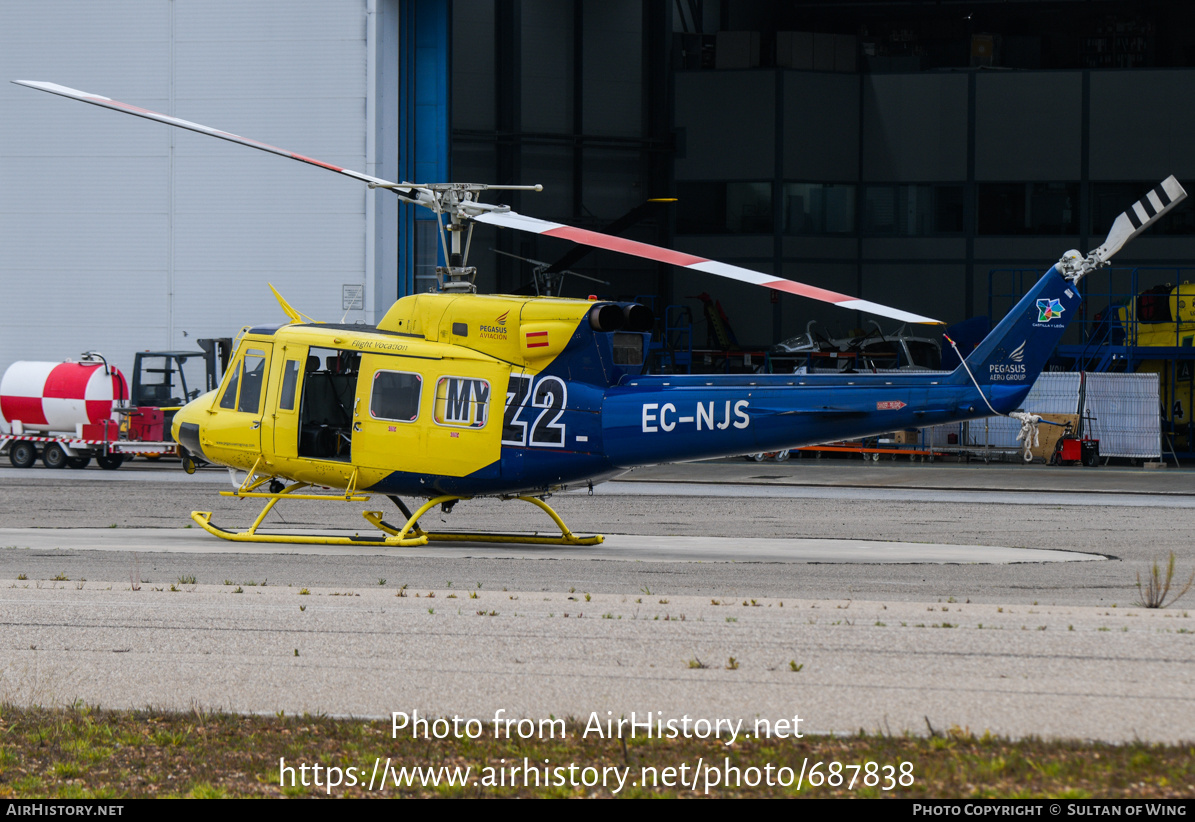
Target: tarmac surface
(857,595)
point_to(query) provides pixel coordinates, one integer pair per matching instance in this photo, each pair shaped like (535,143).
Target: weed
(228,582)
(296,651)
(238,590)
(479,586)
(1156,590)
(664,601)
(187,579)
(431,610)
(572,590)
(302,607)
(22,576)
(715,602)
(381,580)
(303,592)
(472,595)
(174,588)
(697,663)
(450,596)
(62,578)
(432,594)
(607,615)
(588,597)
(732,664)
(794,667)
(732,619)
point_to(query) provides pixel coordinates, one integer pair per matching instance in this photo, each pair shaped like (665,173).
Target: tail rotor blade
(1141,215)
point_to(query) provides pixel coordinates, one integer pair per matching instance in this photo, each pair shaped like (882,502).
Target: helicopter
(455,395)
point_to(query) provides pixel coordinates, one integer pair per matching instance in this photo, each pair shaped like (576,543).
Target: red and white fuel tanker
(69,412)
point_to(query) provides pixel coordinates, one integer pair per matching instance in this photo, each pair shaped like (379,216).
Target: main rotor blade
(106,102)
(509,219)
(1141,215)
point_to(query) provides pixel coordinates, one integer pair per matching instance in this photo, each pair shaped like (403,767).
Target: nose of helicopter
(186,426)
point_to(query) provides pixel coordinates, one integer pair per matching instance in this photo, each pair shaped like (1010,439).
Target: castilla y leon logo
(1048,310)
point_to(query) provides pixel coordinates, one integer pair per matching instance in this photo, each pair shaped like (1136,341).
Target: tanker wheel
(22,454)
(78,462)
(110,462)
(52,456)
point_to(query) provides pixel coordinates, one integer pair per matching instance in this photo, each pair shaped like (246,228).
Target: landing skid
(407,535)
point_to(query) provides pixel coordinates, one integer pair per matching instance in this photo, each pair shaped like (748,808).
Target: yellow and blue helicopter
(455,395)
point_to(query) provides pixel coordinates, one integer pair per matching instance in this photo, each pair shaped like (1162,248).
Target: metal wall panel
(1141,123)
(914,127)
(1125,412)
(821,126)
(729,121)
(1029,126)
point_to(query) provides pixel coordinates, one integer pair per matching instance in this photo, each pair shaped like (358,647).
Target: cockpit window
(253,376)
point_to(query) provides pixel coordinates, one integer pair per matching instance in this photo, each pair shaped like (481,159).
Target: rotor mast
(459,202)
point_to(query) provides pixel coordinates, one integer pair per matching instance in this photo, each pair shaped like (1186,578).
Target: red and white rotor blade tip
(509,219)
(116,105)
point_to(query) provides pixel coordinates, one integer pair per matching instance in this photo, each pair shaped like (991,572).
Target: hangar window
(1028,208)
(724,208)
(913,210)
(819,208)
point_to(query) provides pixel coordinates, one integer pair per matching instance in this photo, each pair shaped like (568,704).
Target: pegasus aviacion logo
(1048,310)
(496,331)
(1018,353)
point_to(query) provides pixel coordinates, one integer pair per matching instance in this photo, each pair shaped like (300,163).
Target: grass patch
(87,752)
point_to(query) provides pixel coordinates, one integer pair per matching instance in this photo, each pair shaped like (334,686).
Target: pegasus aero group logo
(1048,310)
(1012,369)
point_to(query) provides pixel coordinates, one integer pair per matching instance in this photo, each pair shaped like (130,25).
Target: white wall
(118,234)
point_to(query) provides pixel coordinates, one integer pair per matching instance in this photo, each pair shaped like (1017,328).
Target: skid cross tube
(406,536)
(566,536)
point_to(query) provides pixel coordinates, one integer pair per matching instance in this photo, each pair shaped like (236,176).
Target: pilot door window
(243,391)
(327,404)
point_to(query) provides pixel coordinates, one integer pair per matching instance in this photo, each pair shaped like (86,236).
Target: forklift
(165,381)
